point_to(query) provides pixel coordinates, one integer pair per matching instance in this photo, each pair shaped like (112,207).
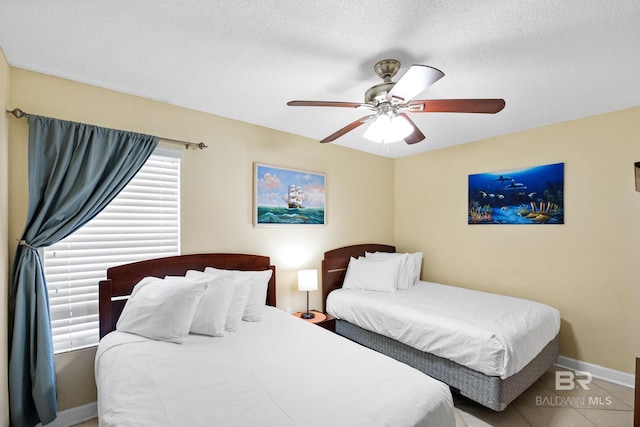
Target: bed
(275,371)
(446,332)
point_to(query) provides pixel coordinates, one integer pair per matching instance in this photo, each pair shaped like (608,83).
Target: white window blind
(142,222)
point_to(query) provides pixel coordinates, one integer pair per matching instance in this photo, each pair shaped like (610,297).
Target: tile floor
(604,405)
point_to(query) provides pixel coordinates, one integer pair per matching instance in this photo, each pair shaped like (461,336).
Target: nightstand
(321,319)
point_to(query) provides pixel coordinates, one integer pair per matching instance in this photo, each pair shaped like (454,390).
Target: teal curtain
(75,170)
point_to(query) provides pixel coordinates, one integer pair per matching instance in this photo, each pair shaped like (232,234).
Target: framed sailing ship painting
(283,196)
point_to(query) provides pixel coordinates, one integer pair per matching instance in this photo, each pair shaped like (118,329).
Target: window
(142,222)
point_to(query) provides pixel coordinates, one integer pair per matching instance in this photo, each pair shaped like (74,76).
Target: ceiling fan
(390,102)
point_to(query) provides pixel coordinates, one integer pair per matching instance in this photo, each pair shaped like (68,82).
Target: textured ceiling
(550,60)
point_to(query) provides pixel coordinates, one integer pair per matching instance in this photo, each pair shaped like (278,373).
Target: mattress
(493,334)
(282,371)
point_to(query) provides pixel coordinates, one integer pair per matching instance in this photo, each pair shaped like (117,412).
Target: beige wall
(584,268)
(216,189)
(587,268)
(4,257)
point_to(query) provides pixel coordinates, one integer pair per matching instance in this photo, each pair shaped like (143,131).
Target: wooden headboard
(114,290)
(335,262)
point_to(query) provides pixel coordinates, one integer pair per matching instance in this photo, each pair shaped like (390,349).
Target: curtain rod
(18,114)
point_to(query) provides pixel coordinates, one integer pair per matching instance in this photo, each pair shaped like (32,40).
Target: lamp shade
(388,128)
(307,280)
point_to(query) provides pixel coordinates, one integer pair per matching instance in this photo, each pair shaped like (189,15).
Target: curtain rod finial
(18,113)
(194,145)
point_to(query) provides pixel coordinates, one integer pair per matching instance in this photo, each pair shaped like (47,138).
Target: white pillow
(241,293)
(216,272)
(417,262)
(258,283)
(412,266)
(404,279)
(379,275)
(142,283)
(161,309)
(211,315)
(239,296)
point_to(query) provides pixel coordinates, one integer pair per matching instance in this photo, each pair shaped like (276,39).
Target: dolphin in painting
(503,179)
(515,185)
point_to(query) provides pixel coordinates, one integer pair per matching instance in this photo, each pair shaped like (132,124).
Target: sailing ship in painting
(294,197)
(288,196)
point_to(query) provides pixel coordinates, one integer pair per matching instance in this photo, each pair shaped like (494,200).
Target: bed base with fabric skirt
(490,391)
(493,392)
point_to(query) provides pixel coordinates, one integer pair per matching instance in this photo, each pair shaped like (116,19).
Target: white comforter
(493,334)
(279,372)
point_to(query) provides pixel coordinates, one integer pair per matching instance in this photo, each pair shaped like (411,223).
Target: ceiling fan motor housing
(376,94)
(385,69)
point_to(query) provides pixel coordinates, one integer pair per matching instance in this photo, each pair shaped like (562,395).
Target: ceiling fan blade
(486,106)
(416,135)
(326,104)
(348,128)
(416,79)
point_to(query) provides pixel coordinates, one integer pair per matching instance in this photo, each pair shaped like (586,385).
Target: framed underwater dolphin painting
(533,195)
(283,196)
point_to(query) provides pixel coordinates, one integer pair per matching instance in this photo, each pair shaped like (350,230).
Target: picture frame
(530,195)
(288,197)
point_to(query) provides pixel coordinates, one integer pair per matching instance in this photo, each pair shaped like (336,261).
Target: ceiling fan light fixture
(391,102)
(387,128)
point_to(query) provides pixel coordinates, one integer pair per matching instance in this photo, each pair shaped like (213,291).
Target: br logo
(567,380)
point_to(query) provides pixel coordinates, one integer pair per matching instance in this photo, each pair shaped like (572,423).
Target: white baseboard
(597,371)
(73,416)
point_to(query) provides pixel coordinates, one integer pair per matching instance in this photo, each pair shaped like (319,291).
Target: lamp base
(307,315)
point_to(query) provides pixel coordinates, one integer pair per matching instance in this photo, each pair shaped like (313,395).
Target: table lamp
(307,281)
